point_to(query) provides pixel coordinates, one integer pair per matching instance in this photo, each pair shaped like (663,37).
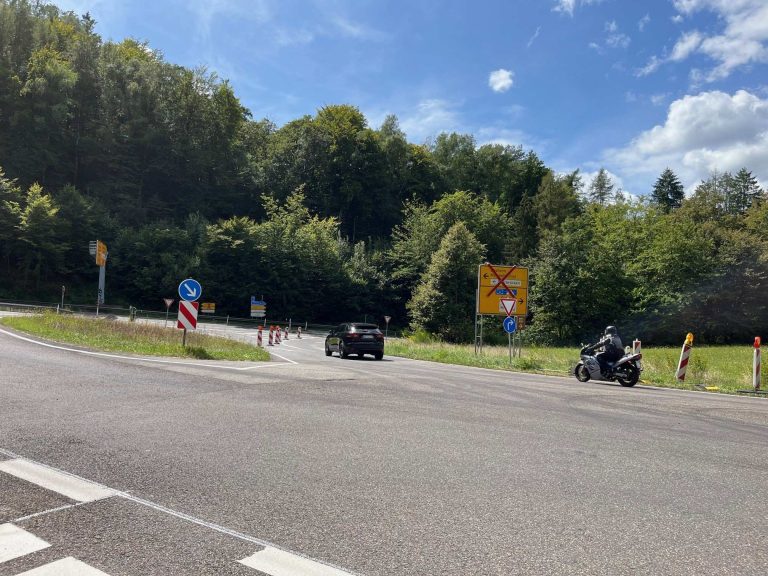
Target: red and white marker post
(637,347)
(684,355)
(756,366)
(187,319)
(277,334)
(259,339)
(271,337)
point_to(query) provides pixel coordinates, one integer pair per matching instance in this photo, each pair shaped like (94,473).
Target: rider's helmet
(610,330)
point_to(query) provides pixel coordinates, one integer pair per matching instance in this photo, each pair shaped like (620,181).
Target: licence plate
(367,337)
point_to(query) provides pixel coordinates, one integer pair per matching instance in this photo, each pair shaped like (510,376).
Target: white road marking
(16,542)
(65,484)
(65,567)
(283,358)
(135,359)
(181,516)
(281,563)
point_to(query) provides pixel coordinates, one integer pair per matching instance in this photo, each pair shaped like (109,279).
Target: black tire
(633,375)
(360,355)
(581,372)
(342,352)
(378,355)
(327,350)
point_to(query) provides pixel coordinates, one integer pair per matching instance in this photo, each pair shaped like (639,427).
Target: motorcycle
(626,370)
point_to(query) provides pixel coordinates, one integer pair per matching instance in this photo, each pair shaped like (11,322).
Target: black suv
(355,338)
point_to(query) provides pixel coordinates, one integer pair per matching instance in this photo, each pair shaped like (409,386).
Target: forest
(330,219)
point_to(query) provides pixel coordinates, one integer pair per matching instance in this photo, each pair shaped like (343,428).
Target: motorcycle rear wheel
(633,375)
(581,372)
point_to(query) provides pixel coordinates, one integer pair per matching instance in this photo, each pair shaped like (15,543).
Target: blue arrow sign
(510,324)
(190,290)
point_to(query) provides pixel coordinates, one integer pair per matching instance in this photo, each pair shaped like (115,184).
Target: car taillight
(353,336)
(379,337)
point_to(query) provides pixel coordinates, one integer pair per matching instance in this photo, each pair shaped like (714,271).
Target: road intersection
(310,464)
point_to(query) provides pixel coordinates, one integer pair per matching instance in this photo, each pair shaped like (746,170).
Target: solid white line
(282,357)
(65,484)
(280,563)
(16,542)
(135,359)
(65,567)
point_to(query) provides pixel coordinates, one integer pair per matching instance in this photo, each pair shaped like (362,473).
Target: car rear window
(364,327)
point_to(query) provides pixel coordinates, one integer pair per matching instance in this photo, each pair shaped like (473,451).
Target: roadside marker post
(286,331)
(298,332)
(636,349)
(271,337)
(259,341)
(682,366)
(187,319)
(756,365)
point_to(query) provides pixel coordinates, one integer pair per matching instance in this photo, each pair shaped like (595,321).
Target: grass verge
(132,337)
(729,368)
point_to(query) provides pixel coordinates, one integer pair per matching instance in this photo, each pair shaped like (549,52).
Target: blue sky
(632,86)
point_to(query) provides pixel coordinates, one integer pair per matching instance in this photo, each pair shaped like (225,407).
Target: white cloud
(207,11)
(702,133)
(501,80)
(618,41)
(644,21)
(432,116)
(568,6)
(686,45)
(611,26)
(742,41)
(658,99)
(533,38)
(677,19)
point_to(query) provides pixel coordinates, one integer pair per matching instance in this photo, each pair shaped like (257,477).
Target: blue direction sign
(190,290)
(510,324)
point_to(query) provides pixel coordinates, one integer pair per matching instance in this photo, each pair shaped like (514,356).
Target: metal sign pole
(184,338)
(509,338)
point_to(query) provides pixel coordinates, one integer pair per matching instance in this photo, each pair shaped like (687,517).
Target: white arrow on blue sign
(510,324)
(190,290)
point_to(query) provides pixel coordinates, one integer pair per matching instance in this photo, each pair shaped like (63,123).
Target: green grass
(728,368)
(132,337)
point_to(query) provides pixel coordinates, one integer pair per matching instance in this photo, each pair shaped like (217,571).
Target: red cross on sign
(498,283)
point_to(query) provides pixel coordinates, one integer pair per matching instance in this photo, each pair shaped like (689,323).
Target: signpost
(187,319)
(258,308)
(501,291)
(386,322)
(189,292)
(98,249)
(168,302)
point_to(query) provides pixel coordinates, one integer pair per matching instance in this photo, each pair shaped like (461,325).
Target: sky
(630,86)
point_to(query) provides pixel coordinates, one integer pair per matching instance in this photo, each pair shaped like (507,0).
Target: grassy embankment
(727,367)
(132,337)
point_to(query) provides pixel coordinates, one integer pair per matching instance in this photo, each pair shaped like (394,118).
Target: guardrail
(140,314)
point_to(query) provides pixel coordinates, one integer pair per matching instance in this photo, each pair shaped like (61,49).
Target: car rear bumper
(362,346)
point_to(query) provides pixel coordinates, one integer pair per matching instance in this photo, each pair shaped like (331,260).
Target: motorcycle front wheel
(581,372)
(633,375)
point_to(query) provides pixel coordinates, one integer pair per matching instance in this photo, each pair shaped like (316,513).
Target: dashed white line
(51,479)
(65,567)
(302,564)
(16,542)
(280,563)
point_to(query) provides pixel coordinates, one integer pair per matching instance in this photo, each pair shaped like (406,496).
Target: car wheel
(327,350)
(378,355)
(342,352)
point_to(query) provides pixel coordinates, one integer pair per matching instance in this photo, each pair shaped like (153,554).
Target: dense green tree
(443,302)
(668,193)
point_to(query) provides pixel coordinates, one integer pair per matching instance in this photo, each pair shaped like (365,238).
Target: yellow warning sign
(101,253)
(208,307)
(502,290)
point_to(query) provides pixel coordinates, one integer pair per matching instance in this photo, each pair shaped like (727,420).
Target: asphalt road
(321,466)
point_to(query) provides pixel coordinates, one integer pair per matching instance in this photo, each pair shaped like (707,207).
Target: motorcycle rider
(613,349)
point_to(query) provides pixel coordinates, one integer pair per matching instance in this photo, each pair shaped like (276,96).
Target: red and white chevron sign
(187,315)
